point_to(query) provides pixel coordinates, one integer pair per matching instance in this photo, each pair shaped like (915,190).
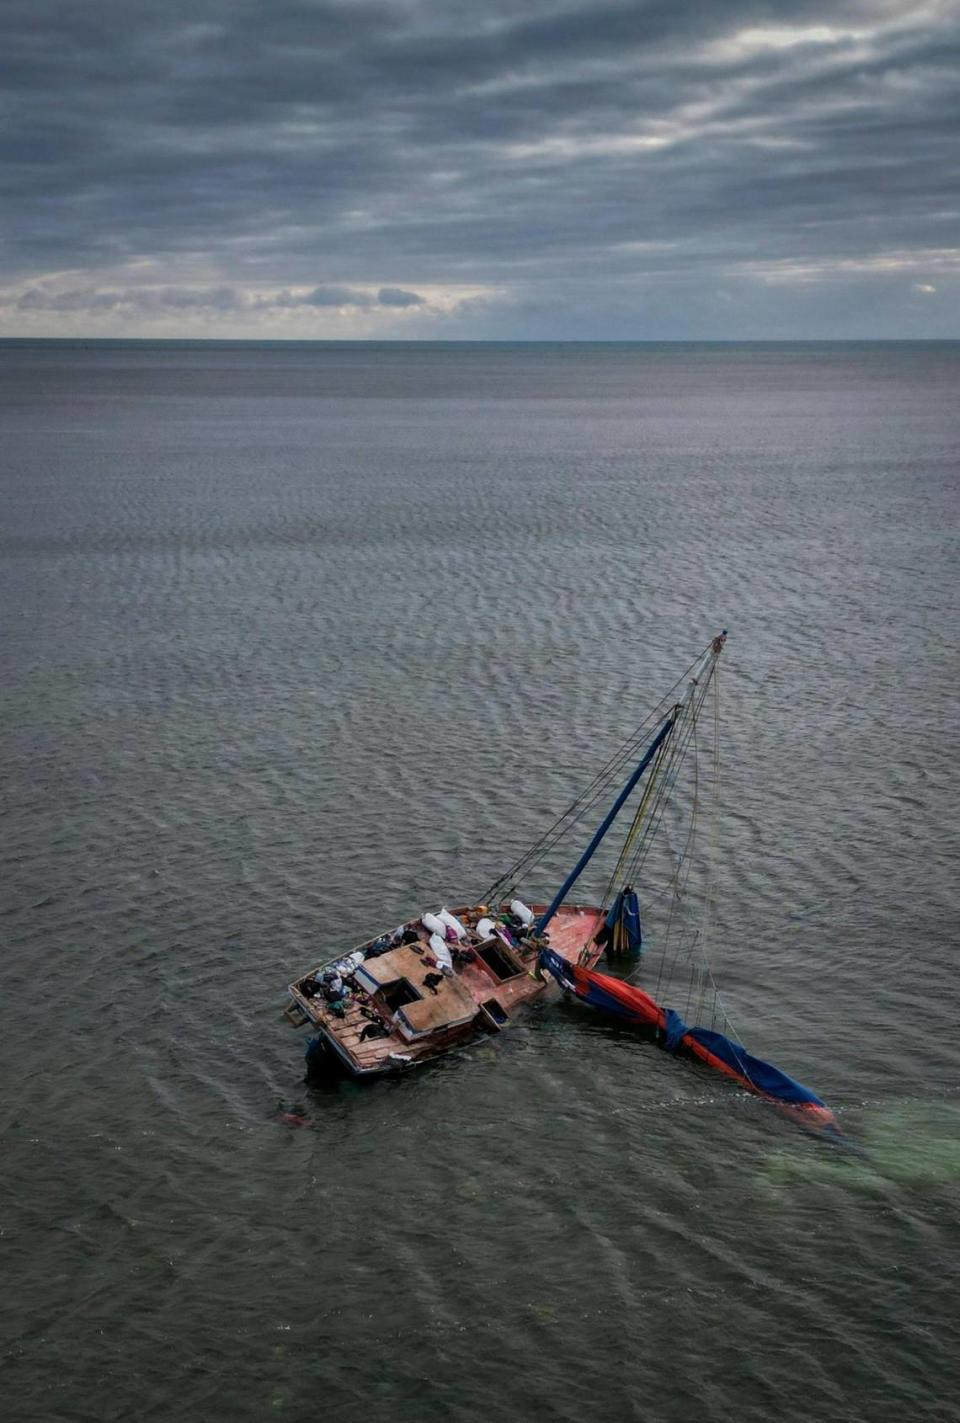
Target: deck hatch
(398,993)
(499,960)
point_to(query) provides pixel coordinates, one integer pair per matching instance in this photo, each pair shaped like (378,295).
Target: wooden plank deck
(472,984)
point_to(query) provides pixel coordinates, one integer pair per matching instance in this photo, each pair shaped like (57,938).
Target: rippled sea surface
(298,640)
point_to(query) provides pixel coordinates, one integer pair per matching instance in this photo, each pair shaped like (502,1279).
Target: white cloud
(757,40)
(788,271)
(563,148)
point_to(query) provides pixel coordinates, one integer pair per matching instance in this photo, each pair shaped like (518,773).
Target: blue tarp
(673,1030)
(558,966)
(761,1075)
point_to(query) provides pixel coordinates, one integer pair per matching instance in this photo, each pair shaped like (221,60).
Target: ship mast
(611,815)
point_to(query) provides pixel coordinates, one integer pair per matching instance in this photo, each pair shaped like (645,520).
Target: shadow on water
(325,1082)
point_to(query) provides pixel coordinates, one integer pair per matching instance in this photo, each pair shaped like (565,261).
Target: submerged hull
(402,1016)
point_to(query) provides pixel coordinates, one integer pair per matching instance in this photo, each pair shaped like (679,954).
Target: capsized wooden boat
(447,979)
(400,1009)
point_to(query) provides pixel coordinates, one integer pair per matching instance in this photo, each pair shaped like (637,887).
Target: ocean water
(300,639)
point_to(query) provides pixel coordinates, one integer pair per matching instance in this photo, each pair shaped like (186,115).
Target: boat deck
(436,1012)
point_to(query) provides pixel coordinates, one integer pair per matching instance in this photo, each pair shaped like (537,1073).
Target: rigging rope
(701,973)
(640,839)
(612,770)
(670,771)
(649,819)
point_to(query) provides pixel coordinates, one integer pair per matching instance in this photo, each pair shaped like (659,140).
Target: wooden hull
(484,1000)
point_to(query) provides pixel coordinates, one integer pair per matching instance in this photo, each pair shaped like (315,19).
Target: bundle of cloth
(444,929)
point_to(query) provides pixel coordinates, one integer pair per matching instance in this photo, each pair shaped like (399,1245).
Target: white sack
(518,908)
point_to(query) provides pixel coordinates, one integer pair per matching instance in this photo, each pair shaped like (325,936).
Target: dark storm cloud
(587,164)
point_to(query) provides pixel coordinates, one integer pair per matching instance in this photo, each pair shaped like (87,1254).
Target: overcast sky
(480,168)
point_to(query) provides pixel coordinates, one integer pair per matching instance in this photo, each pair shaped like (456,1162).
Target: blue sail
(624,934)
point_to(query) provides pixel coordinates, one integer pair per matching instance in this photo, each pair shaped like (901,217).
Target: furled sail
(716,1050)
(621,932)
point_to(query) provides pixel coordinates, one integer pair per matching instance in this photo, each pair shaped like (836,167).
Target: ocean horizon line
(220,341)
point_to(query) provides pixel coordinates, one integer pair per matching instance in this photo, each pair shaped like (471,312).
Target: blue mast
(607,821)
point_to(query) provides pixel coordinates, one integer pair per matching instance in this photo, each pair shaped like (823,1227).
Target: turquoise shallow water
(297,640)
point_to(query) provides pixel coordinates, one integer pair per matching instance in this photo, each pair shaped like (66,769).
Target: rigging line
(713,841)
(694,666)
(705,973)
(654,823)
(696,814)
(718,998)
(735,1039)
(658,823)
(720,1003)
(712,853)
(683,868)
(677,857)
(605,824)
(562,827)
(686,1009)
(658,711)
(624,753)
(556,833)
(694,703)
(592,792)
(656,814)
(682,871)
(676,957)
(660,795)
(655,787)
(687,851)
(686,865)
(657,810)
(659,786)
(727,1020)
(649,788)
(676,912)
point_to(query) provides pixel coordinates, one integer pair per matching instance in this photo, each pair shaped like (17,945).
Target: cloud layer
(446,169)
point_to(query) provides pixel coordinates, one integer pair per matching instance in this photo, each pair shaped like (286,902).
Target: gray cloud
(204,298)
(325,296)
(652,169)
(143,299)
(396,296)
